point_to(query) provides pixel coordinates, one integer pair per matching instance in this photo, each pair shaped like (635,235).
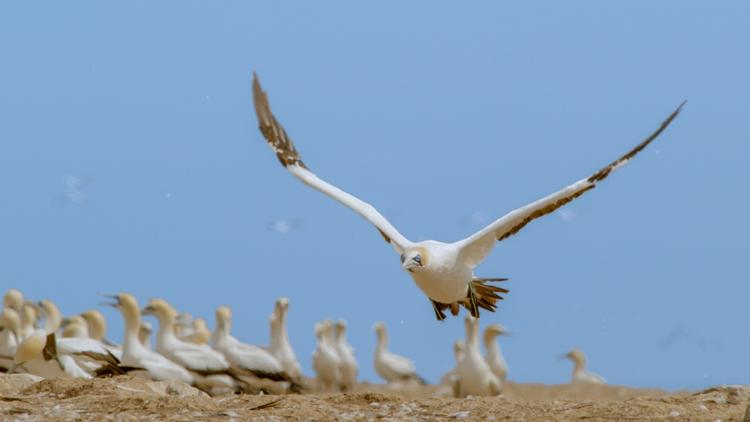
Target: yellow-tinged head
(415,259)
(96,324)
(10,320)
(31,347)
(160,309)
(13,299)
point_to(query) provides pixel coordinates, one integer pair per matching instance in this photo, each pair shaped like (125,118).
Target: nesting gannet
(280,347)
(75,327)
(326,361)
(450,377)
(348,366)
(474,376)
(13,299)
(199,332)
(47,356)
(443,271)
(390,366)
(580,375)
(10,323)
(134,354)
(51,314)
(210,365)
(28,320)
(242,356)
(493,355)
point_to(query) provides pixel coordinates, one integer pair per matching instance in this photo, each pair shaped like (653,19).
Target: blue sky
(130,161)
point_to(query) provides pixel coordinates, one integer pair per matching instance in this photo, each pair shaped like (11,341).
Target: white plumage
(326,362)
(390,366)
(280,346)
(243,356)
(580,375)
(474,376)
(348,362)
(493,354)
(443,271)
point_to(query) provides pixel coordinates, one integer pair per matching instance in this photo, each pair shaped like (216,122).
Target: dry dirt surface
(132,399)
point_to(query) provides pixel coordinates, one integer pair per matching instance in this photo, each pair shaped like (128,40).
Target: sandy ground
(132,399)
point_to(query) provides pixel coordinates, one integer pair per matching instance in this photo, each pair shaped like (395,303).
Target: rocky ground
(23,398)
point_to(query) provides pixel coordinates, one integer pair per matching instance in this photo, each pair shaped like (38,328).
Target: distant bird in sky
(443,271)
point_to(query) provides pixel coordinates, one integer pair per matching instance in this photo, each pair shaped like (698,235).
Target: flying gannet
(348,367)
(493,355)
(580,375)
(326,362)
(473,375)
(443,271)
(135,354)
(280,346)
(242,356)
(390,366)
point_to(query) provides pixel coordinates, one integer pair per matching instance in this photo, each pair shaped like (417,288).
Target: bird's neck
(382,342)
(490,344)
(132,326)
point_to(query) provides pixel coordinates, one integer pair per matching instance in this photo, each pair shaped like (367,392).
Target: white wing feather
(287,154)
(475,248)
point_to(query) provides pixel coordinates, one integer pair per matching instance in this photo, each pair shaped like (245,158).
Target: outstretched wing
(290,159)
(477,246)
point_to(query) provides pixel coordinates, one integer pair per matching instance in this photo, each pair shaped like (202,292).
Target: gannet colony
(36,338)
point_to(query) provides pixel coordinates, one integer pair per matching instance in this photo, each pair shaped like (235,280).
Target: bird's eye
(418,259)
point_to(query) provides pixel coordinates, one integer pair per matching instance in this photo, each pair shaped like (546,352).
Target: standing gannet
(450,377)
(144,334)
(326,362)
(134,354)
(211,366)
(10,323)
(96,324)
(580,375)
(51,314)
(390,366)
(13,299)
(75,327)
(28,320)
(474,376)
(242,356)
(199,332)
(443,271)
(493,356)
(348,366)
(280,346)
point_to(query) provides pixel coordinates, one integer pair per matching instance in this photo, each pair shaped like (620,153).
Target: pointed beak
(115,300)
(564,356)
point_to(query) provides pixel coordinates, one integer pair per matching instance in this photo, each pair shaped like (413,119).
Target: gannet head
(13,299)
(10,320)
(28,315)
(282,304)
(458,349)
(223,314)
(162,310)
(576,355)
(144,332)
(340,328)
(493,330)
(75,326)
(31,347)
(96,324)
(414,260)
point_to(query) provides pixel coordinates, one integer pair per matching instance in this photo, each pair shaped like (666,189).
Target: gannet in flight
(280,346)
(443,271)
(348,367)
(580,375)
(474,376)
(135,354)
(390,366)
(326,361)
(493,355)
